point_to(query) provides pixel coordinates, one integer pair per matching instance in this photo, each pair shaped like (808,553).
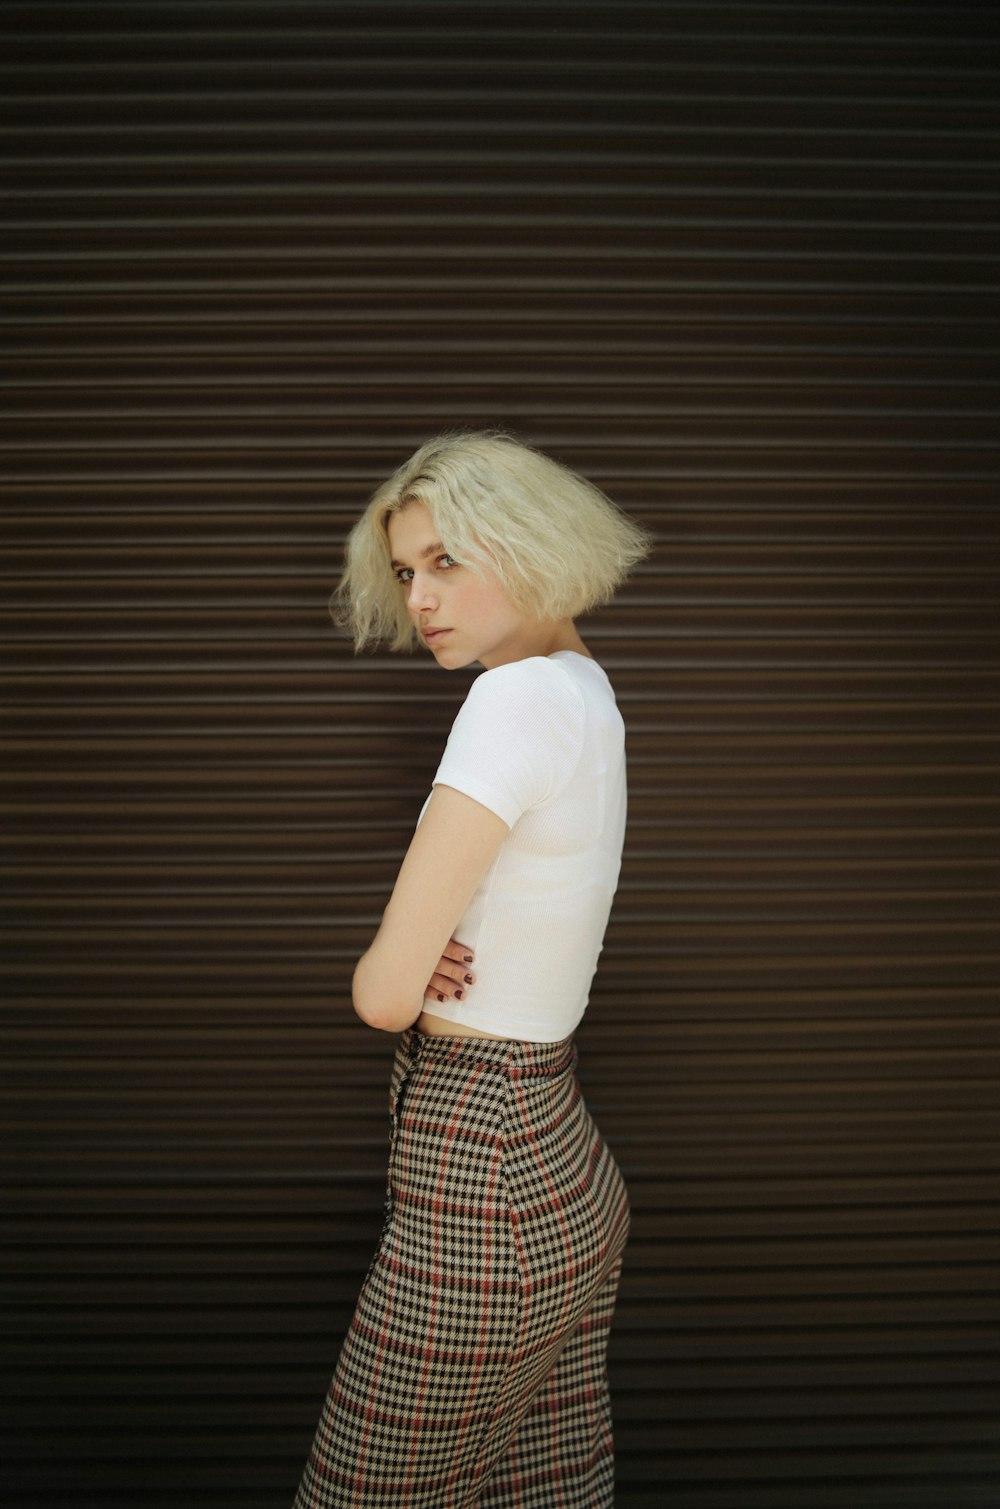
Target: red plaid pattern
(474,1368)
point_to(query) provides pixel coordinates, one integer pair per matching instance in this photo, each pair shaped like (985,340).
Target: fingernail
(467,958)
(440,998)
(468,979)
(459,994)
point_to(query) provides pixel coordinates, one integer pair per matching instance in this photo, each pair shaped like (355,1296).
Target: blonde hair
(557,545)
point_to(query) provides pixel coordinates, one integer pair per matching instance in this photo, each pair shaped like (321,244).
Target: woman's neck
(542,637)
(563,635)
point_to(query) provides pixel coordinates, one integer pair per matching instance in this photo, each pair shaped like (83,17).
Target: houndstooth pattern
(474,1368)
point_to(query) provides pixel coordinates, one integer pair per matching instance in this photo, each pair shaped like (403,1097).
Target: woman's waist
(517,1057)
(494,1015)
(430,1025)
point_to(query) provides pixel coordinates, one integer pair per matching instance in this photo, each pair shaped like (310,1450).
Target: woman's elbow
(377,1014)
(378,1006)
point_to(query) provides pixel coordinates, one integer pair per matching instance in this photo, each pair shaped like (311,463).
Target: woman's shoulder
(531,697)
(531,670)
(527,682)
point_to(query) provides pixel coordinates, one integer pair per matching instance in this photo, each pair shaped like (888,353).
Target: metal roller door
(737,263)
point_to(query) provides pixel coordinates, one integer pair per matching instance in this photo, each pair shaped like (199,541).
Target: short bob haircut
(557,545)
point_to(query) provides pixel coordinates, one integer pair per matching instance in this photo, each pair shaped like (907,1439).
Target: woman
(474,1368)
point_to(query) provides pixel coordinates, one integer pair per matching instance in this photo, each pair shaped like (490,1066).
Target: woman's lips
(431,636)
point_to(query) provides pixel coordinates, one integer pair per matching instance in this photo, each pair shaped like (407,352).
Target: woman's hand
(453,974)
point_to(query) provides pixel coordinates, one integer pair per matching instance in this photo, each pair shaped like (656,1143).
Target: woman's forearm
(448,856)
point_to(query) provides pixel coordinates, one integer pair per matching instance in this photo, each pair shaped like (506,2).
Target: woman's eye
(443,562)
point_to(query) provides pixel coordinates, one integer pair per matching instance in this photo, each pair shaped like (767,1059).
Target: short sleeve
(517,739)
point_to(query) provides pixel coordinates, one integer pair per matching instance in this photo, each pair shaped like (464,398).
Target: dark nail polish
(468,979)
(467,958)
(459,994)
(440,998)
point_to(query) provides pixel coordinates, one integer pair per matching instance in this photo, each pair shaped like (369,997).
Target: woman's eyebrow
(436,549)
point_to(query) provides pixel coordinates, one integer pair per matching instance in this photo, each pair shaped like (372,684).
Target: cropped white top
(541,743)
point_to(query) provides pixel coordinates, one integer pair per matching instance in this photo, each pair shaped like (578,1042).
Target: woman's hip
(493,1140)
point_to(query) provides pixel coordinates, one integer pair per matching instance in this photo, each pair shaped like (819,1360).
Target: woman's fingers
(453,966)
(456,974)
(441,989)
(453,975)
(457,952)
(448,985)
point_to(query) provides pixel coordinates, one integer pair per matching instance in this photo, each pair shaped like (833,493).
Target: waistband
(508,1056)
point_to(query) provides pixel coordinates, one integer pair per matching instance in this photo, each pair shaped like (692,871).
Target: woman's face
(461,616)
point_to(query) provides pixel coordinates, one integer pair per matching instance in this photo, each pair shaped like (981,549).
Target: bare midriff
(439,1026)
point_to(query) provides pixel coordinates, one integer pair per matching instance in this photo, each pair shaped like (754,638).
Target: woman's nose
(421,598)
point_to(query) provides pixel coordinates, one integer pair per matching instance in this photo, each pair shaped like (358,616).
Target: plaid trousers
(474,1371)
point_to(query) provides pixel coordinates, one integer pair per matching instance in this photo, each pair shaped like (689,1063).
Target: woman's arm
(453,847)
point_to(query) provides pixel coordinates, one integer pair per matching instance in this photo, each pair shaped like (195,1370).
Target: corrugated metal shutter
(737,264)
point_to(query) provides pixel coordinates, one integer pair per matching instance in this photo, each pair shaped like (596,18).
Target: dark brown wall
(736,263)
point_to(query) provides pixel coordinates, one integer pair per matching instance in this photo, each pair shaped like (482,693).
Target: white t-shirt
(541,743)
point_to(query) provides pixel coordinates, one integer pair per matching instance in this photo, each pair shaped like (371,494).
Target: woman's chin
(451,657)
